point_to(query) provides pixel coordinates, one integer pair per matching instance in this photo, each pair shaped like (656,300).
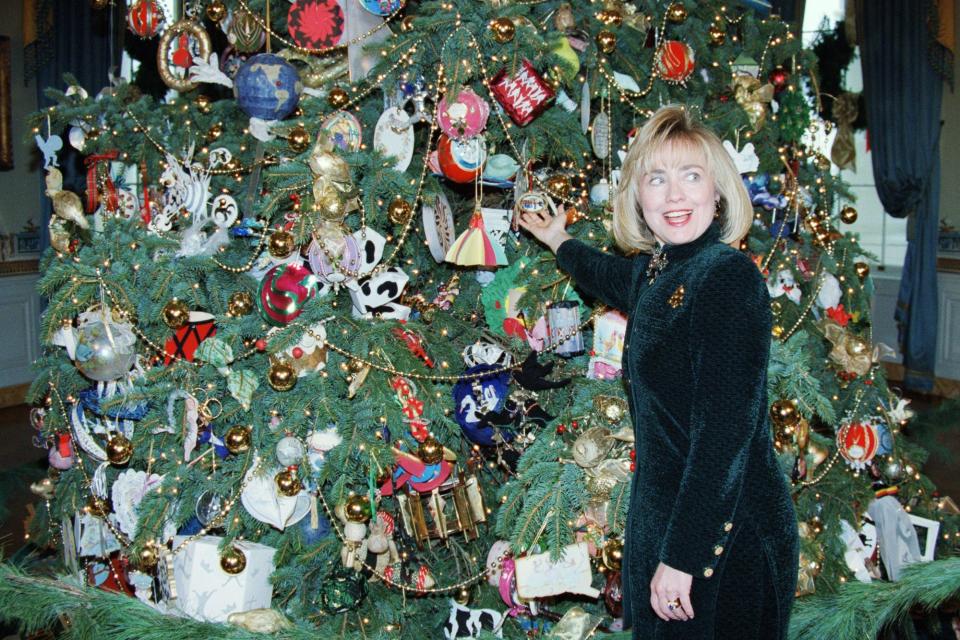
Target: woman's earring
(717,209)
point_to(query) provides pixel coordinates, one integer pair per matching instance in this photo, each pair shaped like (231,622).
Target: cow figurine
(468,623)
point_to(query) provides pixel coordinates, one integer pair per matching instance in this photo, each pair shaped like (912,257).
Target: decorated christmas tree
(299,358)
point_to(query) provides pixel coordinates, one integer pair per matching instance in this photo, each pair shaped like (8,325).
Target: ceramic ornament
(315,24)
(379,296)
(463,114)
(393,136)
(344,130)
(49,148)
(461,160)
(438,226)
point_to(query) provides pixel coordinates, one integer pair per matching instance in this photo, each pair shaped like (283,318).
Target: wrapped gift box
(207,592)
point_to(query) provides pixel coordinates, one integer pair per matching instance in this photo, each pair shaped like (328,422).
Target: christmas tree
(298,355)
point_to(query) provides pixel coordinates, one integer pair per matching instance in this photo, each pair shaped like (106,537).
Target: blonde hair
(674,124)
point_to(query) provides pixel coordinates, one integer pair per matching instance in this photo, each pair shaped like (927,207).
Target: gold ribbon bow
(843,152)
(752,98)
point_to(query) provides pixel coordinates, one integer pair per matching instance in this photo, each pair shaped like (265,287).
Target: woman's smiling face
(678,195)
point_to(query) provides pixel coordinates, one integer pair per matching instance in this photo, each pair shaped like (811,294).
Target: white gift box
(207,592)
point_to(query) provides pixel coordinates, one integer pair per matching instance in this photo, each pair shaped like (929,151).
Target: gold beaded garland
(176,313)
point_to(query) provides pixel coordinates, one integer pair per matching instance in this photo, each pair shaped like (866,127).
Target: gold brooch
(676,298)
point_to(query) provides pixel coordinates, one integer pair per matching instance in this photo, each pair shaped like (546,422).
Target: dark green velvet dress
(708,497)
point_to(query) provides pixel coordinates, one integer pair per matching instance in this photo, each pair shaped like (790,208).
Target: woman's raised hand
(547,228)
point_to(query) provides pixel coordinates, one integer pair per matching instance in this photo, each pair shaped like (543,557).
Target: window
(881,234)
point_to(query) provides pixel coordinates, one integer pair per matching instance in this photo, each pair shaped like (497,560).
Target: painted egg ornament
(246,34)
(145,18)
(675,61)
(461,160)
(858,443)
(382,7)
(267,87)
(284,291)
(315,24)
(463,115)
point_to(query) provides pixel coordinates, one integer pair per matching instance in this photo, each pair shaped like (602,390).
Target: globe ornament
(281,244)
(299,139)
(502,29)
(338,97)
(176,313)
(399,211)
(607,41)
(106,350)
(282,376)
(237,439)
(119,450)
(357,508)
(848,214)
(233,561)
(240,303)
(287,482)
(267,87)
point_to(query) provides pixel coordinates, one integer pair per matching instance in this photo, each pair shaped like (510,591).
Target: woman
(711,545)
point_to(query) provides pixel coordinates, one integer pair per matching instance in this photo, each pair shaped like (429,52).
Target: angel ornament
(187,191)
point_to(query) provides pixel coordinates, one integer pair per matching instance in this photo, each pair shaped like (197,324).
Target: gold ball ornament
(823,162)
(607,41)
(502,29)
(848,214)
(98,507)
(857,346)
(399,211)
(612,554)
(233,561)
(288,484)
(328,203)
(862,269)
(717,35)
(357,508)
(355,366)
(463,596)
(677,13)
(203,103)
(237,439)
(240,303)
(216,11)
(119,450)
(282,376)
(430,451)
(610,17)
(338,98)
(175,313)
(148,558)
(214,132)
(559,184)
(776,331)
(298,139)
(406,25)
(281,244)
(784,413)
(99,4)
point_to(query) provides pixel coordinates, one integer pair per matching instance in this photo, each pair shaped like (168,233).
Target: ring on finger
(673,605)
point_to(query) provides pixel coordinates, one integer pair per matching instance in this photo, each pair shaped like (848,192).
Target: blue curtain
(86,43)
(902,94)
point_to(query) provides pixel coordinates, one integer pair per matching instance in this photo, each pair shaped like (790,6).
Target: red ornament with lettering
(523,96)
(187,338)
(858,442)
(675,61)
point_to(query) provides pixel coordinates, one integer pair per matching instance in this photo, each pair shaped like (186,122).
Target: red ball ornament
(461,160)
(858,443)
(297,352)
(675,61)
(145,18)
(260,344)
(283,291)
(779,78)
(561,429)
